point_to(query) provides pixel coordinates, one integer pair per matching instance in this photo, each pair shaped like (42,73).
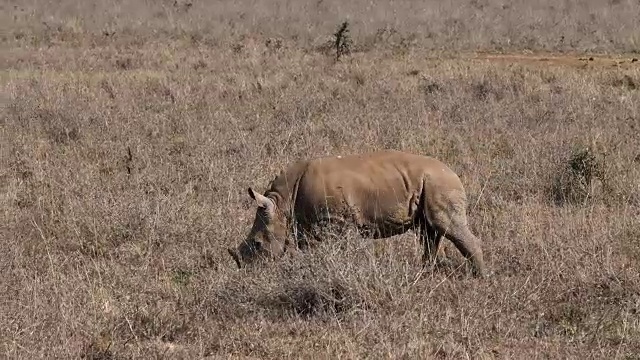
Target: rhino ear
(263,201)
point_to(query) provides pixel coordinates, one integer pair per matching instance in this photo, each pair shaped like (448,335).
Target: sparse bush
(428,86)
(313,300)
(626,82)
(98,348)
(342,40)
(576,179)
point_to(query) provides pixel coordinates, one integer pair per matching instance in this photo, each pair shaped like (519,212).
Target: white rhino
(383,193)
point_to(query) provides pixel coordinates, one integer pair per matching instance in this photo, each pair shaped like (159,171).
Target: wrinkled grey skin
(383,193)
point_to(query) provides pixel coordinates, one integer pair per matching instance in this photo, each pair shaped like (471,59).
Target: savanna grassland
(130,131)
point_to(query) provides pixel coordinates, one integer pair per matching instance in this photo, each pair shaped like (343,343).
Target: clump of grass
(626,82)
(317,299)
(577,179)
(98,348)
(342,40)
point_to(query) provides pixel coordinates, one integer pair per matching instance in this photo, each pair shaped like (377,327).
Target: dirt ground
(584,61)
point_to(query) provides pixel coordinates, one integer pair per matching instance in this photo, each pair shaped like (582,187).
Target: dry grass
(130,131)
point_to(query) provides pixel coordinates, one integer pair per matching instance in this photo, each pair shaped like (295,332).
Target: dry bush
(575,182)
(129,133)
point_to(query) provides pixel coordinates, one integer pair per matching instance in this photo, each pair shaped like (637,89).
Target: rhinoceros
(382,193)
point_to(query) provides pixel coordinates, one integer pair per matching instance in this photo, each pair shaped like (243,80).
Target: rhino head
(267,238)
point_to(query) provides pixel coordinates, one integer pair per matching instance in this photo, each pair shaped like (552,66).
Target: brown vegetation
(130,131)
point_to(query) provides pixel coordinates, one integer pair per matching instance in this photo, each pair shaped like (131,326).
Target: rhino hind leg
(468,244)
(455,228)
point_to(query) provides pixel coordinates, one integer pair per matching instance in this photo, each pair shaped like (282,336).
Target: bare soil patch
(583,61)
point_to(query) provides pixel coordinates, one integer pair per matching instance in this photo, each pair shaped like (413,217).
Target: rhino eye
(265,214)
(257,245)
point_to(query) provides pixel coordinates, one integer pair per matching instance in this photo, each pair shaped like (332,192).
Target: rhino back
(379,187)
